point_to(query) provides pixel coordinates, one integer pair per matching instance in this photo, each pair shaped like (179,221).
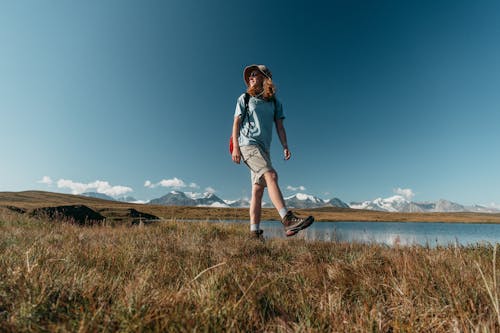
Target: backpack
(245,115)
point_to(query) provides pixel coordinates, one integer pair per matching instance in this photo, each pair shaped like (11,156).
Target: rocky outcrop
(16,209)
(78,214)
(127,216)
(139,217)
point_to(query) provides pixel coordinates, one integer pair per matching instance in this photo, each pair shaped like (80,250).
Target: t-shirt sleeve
(240,106)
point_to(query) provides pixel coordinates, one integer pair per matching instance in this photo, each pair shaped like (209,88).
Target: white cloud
(407,193)
(45,180)
(193,195)
(98,186)
(174,183)
(210,190)
(193,185)
(298,188)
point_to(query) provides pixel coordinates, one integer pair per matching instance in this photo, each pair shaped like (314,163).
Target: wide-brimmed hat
(261,68)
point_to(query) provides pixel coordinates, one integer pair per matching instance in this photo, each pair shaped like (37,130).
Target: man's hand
(236,155)
(287,154)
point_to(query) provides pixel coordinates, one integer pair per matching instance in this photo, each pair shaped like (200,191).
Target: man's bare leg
(256,205)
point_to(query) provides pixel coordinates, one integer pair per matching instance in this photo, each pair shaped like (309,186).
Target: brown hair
(268,88)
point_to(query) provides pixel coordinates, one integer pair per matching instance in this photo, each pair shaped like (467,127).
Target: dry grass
(211,277)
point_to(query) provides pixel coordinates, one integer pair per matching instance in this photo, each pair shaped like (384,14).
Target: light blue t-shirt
(257,126)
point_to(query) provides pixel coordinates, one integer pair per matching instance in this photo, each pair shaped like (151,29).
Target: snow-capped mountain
(240,203)
(178,198)
(482,209)
(398,203)
(448,206)
(243,203)
(174,198)
(301,201)
(210,200)
(395,203)
(336,202)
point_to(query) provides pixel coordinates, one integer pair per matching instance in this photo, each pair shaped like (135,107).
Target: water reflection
(394,233)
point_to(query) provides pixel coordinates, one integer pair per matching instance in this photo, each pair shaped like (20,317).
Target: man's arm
(236,156)
(280,128)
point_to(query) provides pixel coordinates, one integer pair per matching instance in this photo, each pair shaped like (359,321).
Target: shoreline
(324,221)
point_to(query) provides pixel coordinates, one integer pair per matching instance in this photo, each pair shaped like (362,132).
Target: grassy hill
(211,277)
(28,201)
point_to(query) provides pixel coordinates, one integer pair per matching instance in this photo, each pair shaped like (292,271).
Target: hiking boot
(293,224)
(257,234)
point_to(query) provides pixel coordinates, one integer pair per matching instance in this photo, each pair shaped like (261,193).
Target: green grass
(212,277)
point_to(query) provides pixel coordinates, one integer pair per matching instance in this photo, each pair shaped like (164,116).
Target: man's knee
(258,190)
(271,176)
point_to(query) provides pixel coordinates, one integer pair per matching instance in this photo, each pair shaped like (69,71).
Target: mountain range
(395,203)
(398,203)
(178,198)
(107,197)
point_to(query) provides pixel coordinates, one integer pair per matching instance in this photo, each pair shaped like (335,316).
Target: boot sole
(294,231)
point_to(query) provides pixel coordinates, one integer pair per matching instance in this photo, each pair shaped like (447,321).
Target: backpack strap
(246,112)
(247,99)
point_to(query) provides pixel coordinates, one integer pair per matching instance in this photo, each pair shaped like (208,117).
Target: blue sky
(380,96)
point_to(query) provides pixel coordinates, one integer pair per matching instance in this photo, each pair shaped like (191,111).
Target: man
(256,112)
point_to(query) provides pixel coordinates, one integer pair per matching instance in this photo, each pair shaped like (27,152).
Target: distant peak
(304,197)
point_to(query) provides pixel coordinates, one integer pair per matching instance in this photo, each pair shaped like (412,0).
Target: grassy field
(184,277)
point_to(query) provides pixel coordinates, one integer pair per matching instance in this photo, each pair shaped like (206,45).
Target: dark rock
(139,217)
(78,214)
(16,209)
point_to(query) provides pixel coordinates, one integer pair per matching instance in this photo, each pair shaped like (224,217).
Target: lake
(394,233)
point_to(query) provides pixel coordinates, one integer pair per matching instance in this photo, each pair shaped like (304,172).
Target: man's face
(255,78)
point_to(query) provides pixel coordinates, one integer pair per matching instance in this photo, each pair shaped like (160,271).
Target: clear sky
(137,97)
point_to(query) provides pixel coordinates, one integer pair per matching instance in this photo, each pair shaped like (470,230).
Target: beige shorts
(258,161)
